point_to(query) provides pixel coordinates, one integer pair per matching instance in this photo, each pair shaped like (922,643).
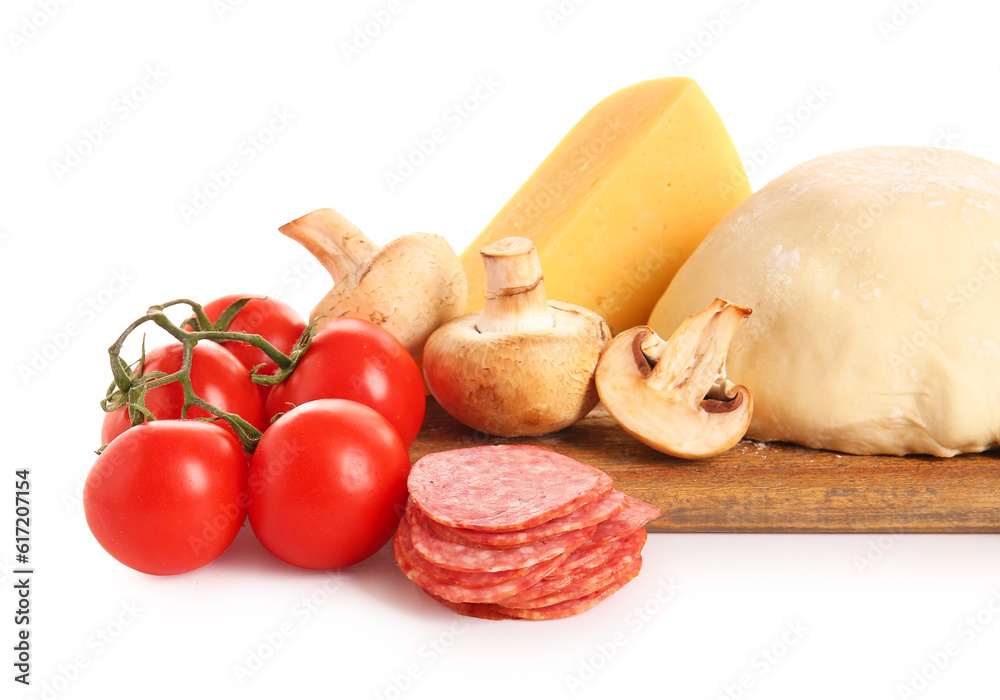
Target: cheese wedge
(623,200)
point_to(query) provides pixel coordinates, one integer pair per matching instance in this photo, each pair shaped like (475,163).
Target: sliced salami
(500,488)
(633,516)
(485,590)
(458,557)
(591,514)
(518,532)
(560,586)
(477,579)
(589,556)
(478,610)
(575,606)
(566,608)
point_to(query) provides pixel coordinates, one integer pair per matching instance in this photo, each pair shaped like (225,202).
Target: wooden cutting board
(758,487)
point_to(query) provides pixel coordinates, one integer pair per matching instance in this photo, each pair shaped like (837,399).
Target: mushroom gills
(674,395)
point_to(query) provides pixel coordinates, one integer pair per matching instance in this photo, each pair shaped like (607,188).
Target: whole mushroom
(410,286)
(523,365)
(674,395)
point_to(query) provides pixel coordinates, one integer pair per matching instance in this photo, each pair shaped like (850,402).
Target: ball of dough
(874,280)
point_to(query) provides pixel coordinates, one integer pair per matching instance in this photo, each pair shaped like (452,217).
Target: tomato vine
(130,384)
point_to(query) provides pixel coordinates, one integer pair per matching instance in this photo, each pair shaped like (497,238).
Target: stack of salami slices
(516,531)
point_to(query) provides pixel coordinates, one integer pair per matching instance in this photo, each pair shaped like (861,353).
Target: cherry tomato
(327,484)
(216,376)
(277,322)
(168,496)
(355,359)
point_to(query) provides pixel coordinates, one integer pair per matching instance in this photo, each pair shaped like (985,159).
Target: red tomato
(277,322)
(216,376)
(168,496)
(357,360)
(327,484)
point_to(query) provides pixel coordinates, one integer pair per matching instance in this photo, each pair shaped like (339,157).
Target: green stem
(130,386)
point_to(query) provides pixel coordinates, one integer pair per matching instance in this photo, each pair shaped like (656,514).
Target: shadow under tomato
(377,577)
(246,556)
(381,579)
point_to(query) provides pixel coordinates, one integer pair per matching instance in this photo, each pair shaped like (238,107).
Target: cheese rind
(623,200)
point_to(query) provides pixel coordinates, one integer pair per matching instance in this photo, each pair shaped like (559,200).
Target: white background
(842,616)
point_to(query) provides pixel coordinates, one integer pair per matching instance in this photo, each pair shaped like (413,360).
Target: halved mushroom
(674,395)
(410,286)
(524,365)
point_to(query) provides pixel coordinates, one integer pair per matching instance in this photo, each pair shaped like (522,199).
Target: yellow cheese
(623,200)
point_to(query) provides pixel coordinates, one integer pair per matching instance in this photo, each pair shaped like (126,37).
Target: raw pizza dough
(874,280)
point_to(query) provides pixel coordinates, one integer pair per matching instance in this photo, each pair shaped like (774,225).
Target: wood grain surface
(767,487)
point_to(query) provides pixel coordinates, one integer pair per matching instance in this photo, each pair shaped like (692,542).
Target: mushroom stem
(692,364)
(339,245)
(515,289)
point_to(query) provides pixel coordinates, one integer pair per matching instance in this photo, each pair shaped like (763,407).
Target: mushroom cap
(517,384)
(692,419)
(410,286)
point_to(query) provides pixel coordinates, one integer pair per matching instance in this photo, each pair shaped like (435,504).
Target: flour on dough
(874,280)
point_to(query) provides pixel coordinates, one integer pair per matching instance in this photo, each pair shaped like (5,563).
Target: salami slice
(634,515)
(492,611)
(518,532)
(477,579)
(589,556)
(575,606)
(458,557)
(591,514)
(500,488)
(486,590)
(559,586)
(478,610)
